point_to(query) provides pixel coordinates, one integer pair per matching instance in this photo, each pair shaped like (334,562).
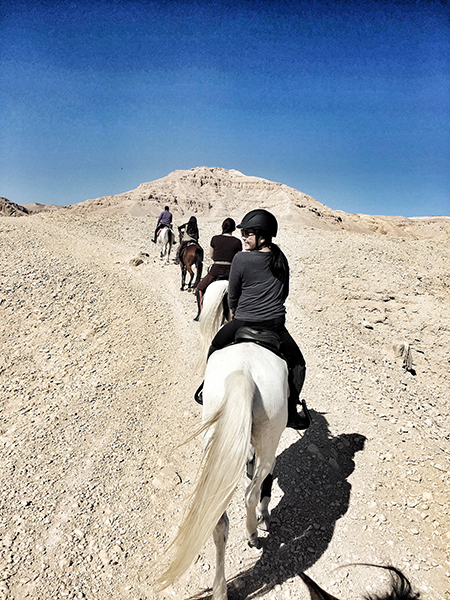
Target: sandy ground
(97,378)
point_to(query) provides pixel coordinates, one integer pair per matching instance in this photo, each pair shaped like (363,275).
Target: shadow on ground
(312,473)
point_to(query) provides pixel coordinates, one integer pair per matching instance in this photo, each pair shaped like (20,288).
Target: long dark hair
(278,262)
(192,227)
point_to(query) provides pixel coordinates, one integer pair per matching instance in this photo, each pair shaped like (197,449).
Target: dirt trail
(97,376)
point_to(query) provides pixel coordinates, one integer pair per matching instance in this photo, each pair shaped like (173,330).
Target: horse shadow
(312,474)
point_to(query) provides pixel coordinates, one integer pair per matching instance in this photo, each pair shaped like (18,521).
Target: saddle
(263,337)
(163,226)
(185,245)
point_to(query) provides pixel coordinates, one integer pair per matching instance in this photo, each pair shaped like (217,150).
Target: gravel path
(97,377)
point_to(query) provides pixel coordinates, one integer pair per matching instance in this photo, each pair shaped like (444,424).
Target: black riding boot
(199,304)
(296,378)
(198,396)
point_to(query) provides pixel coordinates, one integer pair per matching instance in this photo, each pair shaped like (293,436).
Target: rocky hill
(10,209)
(213,191)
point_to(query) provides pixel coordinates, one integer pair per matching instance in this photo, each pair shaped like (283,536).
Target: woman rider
(258,287)
(222,249)
(188,233)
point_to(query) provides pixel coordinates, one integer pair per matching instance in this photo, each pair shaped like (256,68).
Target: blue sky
(346,101)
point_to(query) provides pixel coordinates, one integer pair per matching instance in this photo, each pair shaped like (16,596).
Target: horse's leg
(191,273)
(252,496)
(220,535)
(183,276)
(262,510)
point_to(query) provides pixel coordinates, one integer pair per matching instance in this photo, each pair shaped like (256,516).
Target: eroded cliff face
(215,192)
(10,209)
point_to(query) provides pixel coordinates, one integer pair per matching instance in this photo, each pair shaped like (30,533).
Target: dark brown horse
(191,254)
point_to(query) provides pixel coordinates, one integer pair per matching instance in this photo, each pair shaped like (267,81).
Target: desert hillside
(214,192)
(97,379)
(10,209)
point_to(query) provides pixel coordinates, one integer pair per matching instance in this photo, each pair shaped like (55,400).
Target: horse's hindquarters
(268,371)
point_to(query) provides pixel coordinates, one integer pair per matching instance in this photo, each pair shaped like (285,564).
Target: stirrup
(198,396)
(300,422)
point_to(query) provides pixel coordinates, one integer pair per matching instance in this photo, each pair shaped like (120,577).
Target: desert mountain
(216,192)
(10,209)
(213,192)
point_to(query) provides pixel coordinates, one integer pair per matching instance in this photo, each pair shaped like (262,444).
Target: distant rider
(222,250)
(164,220)
(188,233)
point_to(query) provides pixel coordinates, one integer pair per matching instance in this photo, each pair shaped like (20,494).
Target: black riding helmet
(260,220)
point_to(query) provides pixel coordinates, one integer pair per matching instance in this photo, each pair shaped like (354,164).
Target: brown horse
(192,254)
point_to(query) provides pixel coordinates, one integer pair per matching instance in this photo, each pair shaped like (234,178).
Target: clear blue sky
(346,101)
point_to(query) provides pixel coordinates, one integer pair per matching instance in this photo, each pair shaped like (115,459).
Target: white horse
(165,240)
(244,414)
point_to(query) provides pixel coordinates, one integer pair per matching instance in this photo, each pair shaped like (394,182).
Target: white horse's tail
(210,319)
(224,462)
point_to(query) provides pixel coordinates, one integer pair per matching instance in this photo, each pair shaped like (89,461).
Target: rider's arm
(211,252)
(234,285)
(286,282)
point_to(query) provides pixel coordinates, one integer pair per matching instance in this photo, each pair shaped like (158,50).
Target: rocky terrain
(97,379)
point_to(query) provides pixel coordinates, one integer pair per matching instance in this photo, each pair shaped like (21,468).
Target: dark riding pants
(288,347)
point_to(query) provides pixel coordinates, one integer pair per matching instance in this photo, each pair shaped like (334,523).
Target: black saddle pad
(264,337)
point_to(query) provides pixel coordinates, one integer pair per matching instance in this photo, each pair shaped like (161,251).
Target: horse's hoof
(264,522)
(255,542)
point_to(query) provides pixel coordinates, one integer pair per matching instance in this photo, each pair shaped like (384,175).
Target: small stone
(334,463)
(65,562)
(103,555)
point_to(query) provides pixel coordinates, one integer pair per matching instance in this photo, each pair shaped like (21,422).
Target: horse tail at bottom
(224,462)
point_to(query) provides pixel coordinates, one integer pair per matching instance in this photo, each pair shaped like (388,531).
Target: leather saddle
(263,337)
